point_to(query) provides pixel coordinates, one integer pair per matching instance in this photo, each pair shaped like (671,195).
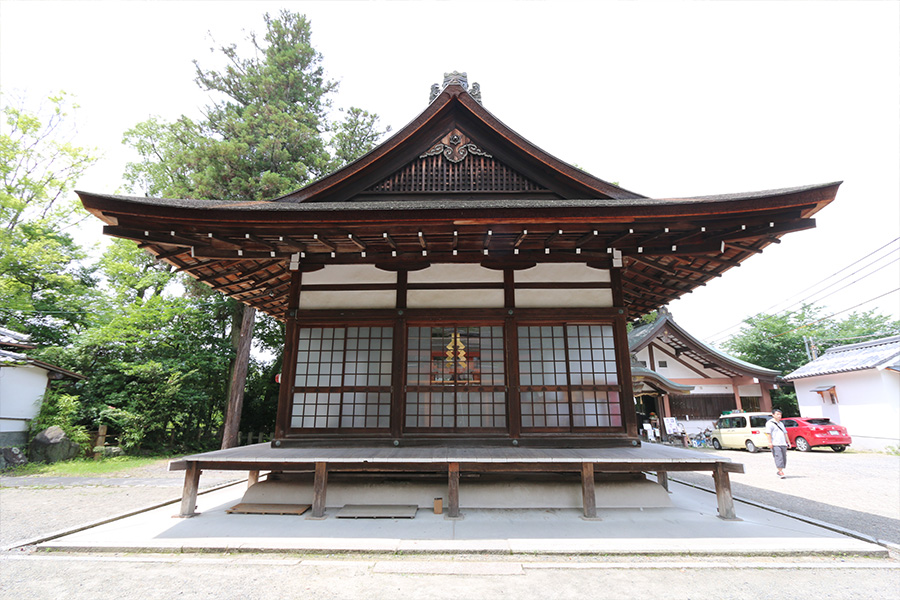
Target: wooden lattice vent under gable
(455,164)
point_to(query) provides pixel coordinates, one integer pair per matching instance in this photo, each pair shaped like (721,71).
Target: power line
(837,313)
(718,335)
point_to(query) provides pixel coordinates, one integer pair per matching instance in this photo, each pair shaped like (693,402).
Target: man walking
(778,440)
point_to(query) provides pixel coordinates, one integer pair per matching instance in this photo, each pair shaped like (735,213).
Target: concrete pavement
(689,526)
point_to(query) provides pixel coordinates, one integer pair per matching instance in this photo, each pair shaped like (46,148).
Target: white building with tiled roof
(857,386)
(23,382)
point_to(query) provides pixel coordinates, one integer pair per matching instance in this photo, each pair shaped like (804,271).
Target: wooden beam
(654,264)
(325,242)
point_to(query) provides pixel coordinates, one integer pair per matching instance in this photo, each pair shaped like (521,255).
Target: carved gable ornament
(455,147)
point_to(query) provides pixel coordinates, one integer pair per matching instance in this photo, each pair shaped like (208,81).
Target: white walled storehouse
(857,386)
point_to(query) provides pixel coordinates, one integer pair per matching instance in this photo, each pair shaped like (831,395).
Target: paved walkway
(689,526)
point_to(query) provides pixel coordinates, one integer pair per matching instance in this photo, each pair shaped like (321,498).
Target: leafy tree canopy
(777,341)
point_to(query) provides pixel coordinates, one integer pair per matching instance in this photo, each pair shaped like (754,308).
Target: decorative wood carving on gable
(455,164)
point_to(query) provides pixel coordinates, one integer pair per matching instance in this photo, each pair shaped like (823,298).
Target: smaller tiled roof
(8,337)
(878,354)
(666,328)
(13,359)
(643,378)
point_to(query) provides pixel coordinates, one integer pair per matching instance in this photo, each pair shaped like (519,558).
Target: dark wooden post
(289,361)
(189,494)
(320,484)
(453,491)
(723,493)
(662,477)
(588,494)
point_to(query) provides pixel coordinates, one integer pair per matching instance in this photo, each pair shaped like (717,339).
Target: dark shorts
(779,453)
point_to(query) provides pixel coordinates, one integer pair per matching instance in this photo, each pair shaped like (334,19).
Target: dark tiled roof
(881,353)
(445,203)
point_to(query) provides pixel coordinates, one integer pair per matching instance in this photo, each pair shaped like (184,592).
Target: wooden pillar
(723,493)
(289,361)
(588,494)
(765,398)
(737,393)
(252,478)
(189,494)
(453,490)
(320,483)
(662,477)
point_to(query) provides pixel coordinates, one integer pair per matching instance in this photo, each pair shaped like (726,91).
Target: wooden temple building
(456,300)
(710,381)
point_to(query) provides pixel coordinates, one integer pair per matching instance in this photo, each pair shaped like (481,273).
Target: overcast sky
(667,99)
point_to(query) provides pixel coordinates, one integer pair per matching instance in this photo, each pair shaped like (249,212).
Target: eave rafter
(661,261)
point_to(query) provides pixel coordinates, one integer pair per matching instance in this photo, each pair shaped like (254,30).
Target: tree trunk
(238,379)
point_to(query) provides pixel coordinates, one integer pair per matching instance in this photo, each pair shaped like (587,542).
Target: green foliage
(63,411)
(777,341)
(39,165)
(45,289)
(84,467)
(265,135)
(780,342)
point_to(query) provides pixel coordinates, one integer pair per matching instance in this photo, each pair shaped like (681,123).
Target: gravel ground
(856,487)
(856,490)
(38,505)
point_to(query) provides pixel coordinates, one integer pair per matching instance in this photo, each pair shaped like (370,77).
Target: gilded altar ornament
(456,349)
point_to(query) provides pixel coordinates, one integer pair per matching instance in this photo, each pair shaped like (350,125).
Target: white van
(741,430)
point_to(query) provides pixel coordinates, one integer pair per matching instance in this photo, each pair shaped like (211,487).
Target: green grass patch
(85,467)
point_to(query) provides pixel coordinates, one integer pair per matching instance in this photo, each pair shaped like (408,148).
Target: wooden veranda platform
(453,460)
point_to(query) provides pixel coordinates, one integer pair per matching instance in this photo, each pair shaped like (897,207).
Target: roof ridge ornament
(456,78)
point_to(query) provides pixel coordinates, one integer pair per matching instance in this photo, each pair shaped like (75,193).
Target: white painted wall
(868,405)
(21,390)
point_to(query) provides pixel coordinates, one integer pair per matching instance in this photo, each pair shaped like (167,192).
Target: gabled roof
(456,185)
(670,333)
(452,127)
(12,359)
(883,353)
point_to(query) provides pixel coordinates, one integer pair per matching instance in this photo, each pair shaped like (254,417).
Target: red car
(805,434)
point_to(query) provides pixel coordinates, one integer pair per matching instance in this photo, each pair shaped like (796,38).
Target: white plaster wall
(561,272)
(454,298)
(348,274)
(21,390)
(868,405)
(750,390)
(321,300)
(455,273)
(562,297)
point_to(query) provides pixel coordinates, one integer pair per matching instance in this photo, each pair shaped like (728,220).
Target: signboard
(671,425)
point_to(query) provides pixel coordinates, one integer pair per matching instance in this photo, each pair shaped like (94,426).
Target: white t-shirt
(778,432)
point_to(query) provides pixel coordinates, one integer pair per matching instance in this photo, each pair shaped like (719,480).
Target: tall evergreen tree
(267,133)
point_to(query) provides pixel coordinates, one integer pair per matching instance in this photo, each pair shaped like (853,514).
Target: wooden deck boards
(234,458)
(452,460)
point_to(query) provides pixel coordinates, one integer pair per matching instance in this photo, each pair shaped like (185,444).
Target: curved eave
(668,247)
(697,350)
(454,105)
(807,200)
(658,382)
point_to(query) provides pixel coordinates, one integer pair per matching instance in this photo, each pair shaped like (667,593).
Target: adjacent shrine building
(458,284)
